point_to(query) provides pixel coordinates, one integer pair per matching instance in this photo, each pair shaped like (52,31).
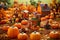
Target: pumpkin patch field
(29,21)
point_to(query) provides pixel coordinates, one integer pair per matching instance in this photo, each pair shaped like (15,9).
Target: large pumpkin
(22,36)
(35,36)
(12,32)
(54,34)
(5,28)
(24,22)
(19,25)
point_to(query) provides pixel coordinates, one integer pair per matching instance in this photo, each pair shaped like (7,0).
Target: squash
(51,17)
(5,28)
(3,22)
(35,36)
(24,22)
(54,26)
(35,28)
(54,34)
(22,36)
(43,18)
(18,25)
(47,17)
(12,32)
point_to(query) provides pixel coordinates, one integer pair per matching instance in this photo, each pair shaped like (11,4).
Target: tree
(6,2)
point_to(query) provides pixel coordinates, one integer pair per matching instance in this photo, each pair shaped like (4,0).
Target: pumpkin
(3,21)
(54,34)
(54,26)
(35,36)
(24,22)
(31,8)
(43,18)
(23,7)
(5,28)
(51,17)
(18,25)
(46,17)
(12,32)
(22,36)
(35,28)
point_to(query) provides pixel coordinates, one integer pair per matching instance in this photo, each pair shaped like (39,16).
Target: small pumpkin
(12,32)
(51,17)
(43,18)
(54,26)
(5,28)
(22,36)
(54,34)
(24,22)
(3,21)
(46,17)
(35,27)
(19,25)
(35,36)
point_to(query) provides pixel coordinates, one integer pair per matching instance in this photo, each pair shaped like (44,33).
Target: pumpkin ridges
(22,36)
(19,25)
(24,22)
(13,32)
(34,36)
(10,33)
(54,34)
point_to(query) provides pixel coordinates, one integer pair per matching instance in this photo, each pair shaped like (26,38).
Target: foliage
(6,2)
(33,3)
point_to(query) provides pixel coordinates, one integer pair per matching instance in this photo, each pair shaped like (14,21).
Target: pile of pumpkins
(14,32)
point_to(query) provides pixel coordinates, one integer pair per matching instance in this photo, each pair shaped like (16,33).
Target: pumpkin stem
(34,31)
(22,32)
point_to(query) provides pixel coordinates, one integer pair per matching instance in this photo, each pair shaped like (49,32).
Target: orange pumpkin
(5,28)
(46,17)
(3,21)
(54,26)
(51,17)
(35,36)
(35,27)
(24,22)
(12,32)
(54,34)
(43,18)
(19,25)
(22,36)
(23,7)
